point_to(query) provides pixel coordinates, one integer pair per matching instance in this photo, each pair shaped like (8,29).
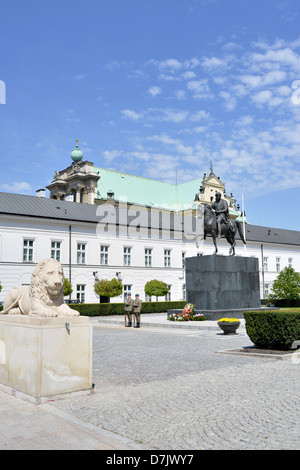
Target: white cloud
(168,78)
(180,94)
(270,78)
(157,114)
(188,75)
(110,155)
(21,187)
(154,91)
(230,101)
(199,88)
(284,56)
(130,114)
(245,120)
(177,143)
(174,64)
(191,63)
(79,76)
(171,64)
(262,97)
(174,116)
(213,62)
(199,115)
(165,139)
(247,148)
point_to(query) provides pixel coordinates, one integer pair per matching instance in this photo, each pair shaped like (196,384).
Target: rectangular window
(266,263)
(278,265)
(183,291)
(80,293)
(127,256)
(28,250)
(126,290)
(290,262)
(55,250)
(148,257)
(104,255)
(167,258)
(266,293)
(81,253)
(168,296)
(183,260)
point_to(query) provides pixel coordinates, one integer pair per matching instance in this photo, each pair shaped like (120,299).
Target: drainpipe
(262,269)
(70,257)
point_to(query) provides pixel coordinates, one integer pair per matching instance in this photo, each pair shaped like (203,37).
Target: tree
(0,286)
(286,286)
(107,288)
(67,287)
(157,288)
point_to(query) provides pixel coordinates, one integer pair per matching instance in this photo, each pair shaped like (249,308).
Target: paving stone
(172,391)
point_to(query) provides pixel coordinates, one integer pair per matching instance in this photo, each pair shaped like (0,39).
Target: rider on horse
(220,207)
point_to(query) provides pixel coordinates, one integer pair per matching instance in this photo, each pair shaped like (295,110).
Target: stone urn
(229,326)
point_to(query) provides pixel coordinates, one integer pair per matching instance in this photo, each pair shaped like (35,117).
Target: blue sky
(155,88)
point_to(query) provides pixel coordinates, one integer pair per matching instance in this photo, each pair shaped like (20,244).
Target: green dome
(77,154)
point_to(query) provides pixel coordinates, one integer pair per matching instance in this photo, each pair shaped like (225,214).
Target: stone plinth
(218,284)
(45,358)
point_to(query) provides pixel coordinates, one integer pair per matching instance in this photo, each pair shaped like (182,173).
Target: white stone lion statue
(44,297)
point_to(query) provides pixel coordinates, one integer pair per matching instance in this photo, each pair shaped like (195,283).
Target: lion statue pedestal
(45,346)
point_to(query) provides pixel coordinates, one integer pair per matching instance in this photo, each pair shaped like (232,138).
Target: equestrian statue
(217,223)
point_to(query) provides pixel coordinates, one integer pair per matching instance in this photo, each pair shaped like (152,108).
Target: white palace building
(102,224)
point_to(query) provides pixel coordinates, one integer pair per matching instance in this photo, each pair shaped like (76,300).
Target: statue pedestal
(42,359)
(222,285)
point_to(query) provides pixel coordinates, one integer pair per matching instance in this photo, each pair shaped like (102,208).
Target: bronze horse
(211,227)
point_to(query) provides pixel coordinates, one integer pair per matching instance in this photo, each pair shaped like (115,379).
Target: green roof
(149,192)
(146,191)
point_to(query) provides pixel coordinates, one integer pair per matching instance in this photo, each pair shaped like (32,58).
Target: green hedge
(118,308)
(273,329)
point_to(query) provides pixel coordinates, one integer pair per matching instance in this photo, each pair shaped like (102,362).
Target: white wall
(13,271)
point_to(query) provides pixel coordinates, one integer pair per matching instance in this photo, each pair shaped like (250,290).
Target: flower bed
(229,320)
(187,314)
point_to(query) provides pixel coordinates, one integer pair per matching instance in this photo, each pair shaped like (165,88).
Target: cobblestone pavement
(170,390)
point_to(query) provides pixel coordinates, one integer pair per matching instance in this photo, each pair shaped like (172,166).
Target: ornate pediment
(213,180)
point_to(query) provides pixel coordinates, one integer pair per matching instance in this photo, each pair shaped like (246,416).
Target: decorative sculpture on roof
(76,153)
(44,297)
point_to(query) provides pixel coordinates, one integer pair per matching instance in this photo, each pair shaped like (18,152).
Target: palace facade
(102,224)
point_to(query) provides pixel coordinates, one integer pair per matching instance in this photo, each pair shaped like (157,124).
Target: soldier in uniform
(222,213)
(137,307)
(128,309)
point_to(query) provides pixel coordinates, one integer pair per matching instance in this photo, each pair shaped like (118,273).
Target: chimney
(40,193)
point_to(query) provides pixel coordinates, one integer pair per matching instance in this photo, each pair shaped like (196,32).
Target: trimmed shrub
(273,329)
(97,310)
(119,308)
(286,303)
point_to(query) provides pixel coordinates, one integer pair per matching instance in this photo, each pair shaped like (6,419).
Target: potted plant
(229,325)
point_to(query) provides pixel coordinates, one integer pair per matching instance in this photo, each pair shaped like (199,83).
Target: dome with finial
(77,154)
